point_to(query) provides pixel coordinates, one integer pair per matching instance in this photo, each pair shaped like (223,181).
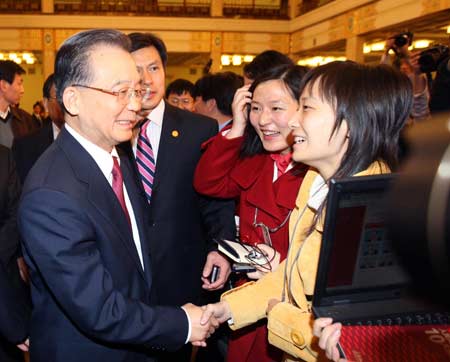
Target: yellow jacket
(289,322)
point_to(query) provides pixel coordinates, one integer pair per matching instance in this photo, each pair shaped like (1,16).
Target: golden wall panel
(253,43)
(189,41)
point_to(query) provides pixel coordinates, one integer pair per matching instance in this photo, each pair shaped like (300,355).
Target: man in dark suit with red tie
(84,226)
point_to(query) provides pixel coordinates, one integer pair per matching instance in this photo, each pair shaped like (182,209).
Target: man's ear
(71,101)
(211,104)
(3,85)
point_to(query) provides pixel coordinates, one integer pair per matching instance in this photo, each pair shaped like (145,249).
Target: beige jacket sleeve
(248,303)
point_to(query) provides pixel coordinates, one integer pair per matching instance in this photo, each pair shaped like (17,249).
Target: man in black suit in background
(14,302)
(182,223)
(28,149)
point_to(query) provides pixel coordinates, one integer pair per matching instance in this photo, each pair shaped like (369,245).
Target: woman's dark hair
(265,61)
(375,101)
(291,76)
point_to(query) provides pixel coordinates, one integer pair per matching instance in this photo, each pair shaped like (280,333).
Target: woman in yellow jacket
(348,124)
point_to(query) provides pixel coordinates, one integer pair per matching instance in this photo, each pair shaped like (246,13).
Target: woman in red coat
(251,161)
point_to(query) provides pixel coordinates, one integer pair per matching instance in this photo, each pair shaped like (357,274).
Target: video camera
(430,58)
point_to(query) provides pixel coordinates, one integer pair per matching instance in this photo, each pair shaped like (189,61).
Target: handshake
(205,320)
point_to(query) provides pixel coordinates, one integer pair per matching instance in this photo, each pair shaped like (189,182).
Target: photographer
(408,64)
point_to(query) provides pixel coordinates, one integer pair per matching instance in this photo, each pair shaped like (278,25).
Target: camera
(430,58)
(402,39)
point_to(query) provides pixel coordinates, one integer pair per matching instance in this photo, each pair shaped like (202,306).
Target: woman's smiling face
(271,109)
(316,143)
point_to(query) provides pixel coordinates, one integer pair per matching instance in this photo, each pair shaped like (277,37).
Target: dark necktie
(145,160)
(117,186)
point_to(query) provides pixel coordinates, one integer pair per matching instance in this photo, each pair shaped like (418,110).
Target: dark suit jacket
(14,301)
(21,122)
(91,297)
(28,149)
(181,222)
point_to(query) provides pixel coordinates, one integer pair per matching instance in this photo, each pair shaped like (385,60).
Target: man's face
(151,70)
(183,101)
(53,108)
(12,92)
(103,118)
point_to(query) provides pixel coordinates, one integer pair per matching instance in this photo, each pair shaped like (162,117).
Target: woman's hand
(241,99)
(328,335)
(272,256)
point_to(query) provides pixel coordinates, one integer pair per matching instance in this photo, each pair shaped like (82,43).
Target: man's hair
(179,86)
(264,61)
(72,64)
(9,69)
(145,40)
(48,85)
(221,87)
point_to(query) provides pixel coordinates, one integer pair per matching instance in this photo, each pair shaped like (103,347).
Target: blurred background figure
(14,299)
(14,122)
(38,114)
(179,94)
(214,94)
(28,149)
(408,64)
(263,62)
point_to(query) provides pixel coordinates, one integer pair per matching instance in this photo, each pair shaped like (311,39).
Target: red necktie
(282,161)
(117,186)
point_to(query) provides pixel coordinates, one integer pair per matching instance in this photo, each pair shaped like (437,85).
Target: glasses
(123,95)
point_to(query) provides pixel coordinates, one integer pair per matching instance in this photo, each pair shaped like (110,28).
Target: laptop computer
(360,279)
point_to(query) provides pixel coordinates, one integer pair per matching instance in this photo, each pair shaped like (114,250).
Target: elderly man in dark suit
(84,225)
(14,302)
(28,149)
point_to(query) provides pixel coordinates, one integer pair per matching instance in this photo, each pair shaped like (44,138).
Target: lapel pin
(175,133)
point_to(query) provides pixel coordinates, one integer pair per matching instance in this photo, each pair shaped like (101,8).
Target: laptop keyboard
(403,319)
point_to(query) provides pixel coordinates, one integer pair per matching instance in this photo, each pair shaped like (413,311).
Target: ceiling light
(419,44)
(236,60)
(248,58)
(225,60)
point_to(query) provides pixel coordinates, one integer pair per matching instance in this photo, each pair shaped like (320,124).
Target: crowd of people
(114,193)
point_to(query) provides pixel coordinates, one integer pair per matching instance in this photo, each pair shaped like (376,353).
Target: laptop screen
(357,253)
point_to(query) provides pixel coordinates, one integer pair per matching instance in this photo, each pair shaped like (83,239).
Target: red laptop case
(426,343)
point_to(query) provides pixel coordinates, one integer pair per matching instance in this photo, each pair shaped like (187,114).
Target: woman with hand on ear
(348,124)
(252,162)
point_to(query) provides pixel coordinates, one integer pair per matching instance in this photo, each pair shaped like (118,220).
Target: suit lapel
(171,134)
(100,193)
(138,201)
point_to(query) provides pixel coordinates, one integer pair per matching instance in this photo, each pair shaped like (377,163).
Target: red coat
(221,173)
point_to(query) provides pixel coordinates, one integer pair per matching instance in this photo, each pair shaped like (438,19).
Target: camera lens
(400,41)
